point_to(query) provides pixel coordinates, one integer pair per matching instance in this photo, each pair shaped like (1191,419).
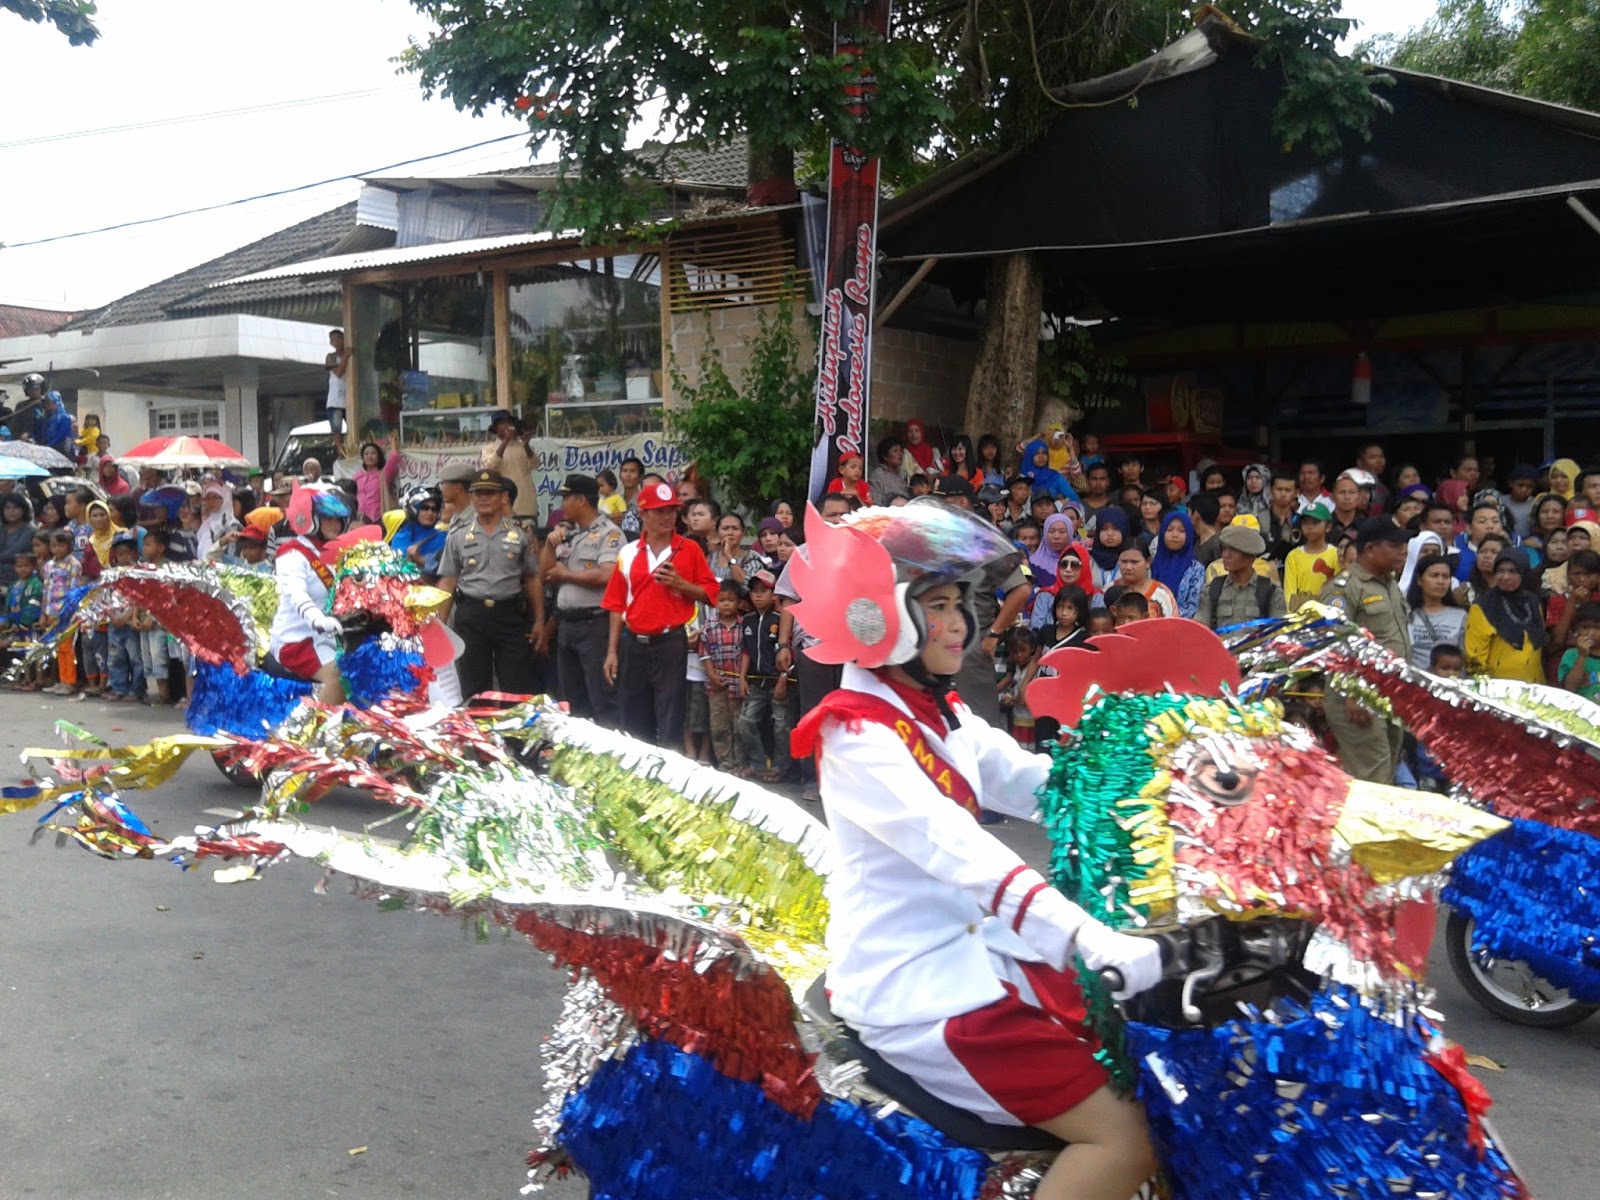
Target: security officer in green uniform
(491,568)
(579,556)
(1367,594)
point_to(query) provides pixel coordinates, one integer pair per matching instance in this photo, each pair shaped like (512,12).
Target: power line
(304,187)
(190,118)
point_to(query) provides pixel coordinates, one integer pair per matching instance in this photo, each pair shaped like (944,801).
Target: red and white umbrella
(176,453)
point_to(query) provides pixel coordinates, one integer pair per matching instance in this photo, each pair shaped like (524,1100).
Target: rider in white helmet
(951,957)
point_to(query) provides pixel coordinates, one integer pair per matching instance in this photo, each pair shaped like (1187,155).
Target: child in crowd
(1130,607)
(765,688)
(696,706)
(721,646)
(251,548)
(921,485)
(1310,565)
(24,606)
(124,656)
(1022,660)
(61,575)
(1102,620)
(1450,662)
(1580,667)
(154,647)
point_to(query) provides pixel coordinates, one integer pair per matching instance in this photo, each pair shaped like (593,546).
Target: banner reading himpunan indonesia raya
(844,349)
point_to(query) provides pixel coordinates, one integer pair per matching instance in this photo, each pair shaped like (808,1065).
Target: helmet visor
(933,542)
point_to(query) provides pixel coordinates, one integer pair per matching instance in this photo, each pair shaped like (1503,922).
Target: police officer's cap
(458,472)
(586,486)
(951,486)
(487,481)
(1379,529)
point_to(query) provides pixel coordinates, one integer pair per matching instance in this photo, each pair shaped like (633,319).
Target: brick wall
(913,374)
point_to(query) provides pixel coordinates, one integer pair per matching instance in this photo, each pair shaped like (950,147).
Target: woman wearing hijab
(97,558)
(1454,492)
(1042,476)
(1056,537)
(920,458)
(1112,531)
(16,534)
(419,536)
(1563,474)
(1505,626)
(110,479)
(1175,565)
(1256,496)
(216,519)
(1426,542)
(1074,572)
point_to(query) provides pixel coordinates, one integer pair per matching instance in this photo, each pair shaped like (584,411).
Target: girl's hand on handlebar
(1136,961)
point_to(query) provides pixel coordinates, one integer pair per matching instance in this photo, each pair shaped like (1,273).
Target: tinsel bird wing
(194,603)
(846,583)
(1526,750)
(1147,657)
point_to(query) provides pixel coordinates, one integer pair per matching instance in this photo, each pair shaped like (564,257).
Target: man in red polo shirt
(651,597)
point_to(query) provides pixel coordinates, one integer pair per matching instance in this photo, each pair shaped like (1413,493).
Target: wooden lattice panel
(729,268)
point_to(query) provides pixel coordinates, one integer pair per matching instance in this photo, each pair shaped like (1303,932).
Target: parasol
(175,453)
(21,468)
(41,456)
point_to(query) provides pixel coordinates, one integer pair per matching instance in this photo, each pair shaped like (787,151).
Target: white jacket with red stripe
(301,593)
(921,894)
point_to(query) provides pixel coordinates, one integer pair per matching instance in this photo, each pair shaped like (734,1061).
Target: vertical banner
(844,350)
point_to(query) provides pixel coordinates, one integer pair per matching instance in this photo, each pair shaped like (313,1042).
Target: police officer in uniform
(1368,595)
(453,481)
(491,568)
(579,557)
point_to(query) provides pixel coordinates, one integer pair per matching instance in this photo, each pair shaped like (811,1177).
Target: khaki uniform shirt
(1374,604)
(596,546)
(489,566)
(1234,605)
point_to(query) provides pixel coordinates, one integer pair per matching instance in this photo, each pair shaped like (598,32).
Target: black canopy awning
(1178,204)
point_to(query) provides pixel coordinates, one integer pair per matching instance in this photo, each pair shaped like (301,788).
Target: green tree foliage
(1546,49)
(753,440)
(954,75)
(73,18)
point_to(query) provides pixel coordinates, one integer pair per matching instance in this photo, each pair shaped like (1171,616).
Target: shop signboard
(554,460)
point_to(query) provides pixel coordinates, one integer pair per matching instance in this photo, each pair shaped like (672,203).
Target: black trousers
(497,647)
(650,688)
(581,642)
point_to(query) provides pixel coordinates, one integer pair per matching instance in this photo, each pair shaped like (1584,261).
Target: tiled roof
(187,294)
(16,320)
(722,166)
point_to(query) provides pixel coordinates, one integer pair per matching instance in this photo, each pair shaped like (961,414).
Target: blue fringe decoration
(374,672)
(249,706)
(660,1122)
(1534,896)
(1333,1100)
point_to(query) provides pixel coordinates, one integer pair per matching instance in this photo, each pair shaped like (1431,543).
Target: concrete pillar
(241,424)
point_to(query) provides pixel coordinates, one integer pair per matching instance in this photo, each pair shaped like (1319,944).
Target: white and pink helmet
(856,579)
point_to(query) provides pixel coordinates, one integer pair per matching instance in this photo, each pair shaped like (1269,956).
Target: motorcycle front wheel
(1508,989)
(235,772)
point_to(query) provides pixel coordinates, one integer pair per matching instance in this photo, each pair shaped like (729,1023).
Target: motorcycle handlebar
(1172,965)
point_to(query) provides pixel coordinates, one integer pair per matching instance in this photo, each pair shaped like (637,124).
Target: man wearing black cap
(579,557)
(1367,594)
(509,455)
(490,567)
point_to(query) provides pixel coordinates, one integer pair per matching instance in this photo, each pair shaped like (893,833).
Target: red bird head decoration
(1163,655)
(848,601)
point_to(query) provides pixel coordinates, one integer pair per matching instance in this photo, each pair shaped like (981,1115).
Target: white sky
(176,58)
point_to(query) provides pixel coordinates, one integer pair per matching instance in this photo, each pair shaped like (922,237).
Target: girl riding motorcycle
(951,958)
(304,638)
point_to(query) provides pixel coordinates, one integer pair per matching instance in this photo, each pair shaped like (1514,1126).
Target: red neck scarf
(855,709)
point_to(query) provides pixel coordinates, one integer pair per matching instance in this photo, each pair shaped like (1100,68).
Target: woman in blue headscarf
(1175,565)
(1037,470)
(419,536)
(1113,531)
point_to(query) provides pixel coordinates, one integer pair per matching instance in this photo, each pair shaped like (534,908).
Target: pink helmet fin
(302,519)
(846,581)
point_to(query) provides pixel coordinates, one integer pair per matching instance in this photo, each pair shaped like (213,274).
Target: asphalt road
(164,1036)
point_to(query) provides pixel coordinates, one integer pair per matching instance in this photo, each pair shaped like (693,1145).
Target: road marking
(229,814)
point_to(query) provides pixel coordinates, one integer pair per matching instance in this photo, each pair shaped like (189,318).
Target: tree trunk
(1005,379)
(771,177)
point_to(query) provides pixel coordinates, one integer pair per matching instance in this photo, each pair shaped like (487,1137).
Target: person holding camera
(651,597)
(579,557)
(490,567)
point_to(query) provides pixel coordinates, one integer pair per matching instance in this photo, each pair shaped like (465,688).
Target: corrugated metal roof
(159,301)
(339,264)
